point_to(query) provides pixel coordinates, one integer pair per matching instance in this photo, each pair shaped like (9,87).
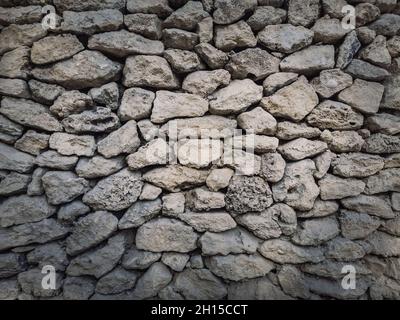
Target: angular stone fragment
(30,114)
(237,35)
(363,96)
(204,83)
(20,15)
(116,281)
(71,102)
(383,244)
(343,249)
(24,209)
(239,267)
(254,63)
(31,233)
(331,82)
(285,38)
(187,16)
(166,235)
(283,251)
(100,260)
(236,97)
(275,221)
(233,241)
(297,188)
(90,231)
(366,71)
(90,22)
(158,7)
(247,194)
(258,121)
(116,192)
(14,183)
(124,43)
(333,187)
(150,192)
(321,209)
(151,71)
(15,36)
(266,15)
(288,131)
(200,284)
(182,61)
(348,50)
(302,148)
(100,119)
(44,92)
(323,163)
(293,102)
(219,178)
(180,39)
(136,104)
(335,115)
(62,187)
(14,160)
(310,60)
(155,152)
(303,13)
(205,30)
(55,48)
(214,58)
(69,144)
(76,5)
(329,31)
(382,143)
(357,165)
(228,11)
(137,259)
(375,206)
(33,142)
(377,53)
(212,222)
(84,70)
(199,153)
(152,281)
(316,231)
(385,123)
(208,126)
(123,140)
(343,141)
(173,204)
(15,63)
(72,210)
(52,159)
(147,25)
(385,181)
(169,105)
(107,95)
(16,88)
(388,25)
(139,213)
(175,178)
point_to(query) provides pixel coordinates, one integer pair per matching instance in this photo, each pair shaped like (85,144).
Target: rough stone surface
(200,149)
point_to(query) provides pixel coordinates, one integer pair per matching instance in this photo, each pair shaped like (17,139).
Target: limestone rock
(166,235)
(123,140)
(237,35)
(124,43)
(169,105)
(98,167)
(204,83)
(136,104)
(285,38)
(219,179)
(147,25)
(333,187)
(62,187)
(302,148)
(155,152)
(29,113)
(331,82)
(71,102)
(139,213)
(316,231)
(69,144)
(151,71)
(239,267)
(236,97)
(357,165)
(55,48)
(83,70)
(299,94)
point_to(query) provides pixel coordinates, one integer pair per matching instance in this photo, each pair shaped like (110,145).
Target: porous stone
(331,82)
(139,213)
(182,61)
(213,222)
(204,83)
(302,148)
(333,187)
(266,15)
(71,102)
(303,13)
(237,35)
(45,93)
(69,144)
(213,57)
(357,165)
(54,160)
(147,25)
(106,95)
(116,192)
(343,141)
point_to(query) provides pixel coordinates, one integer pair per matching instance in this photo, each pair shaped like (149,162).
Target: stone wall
(107,104)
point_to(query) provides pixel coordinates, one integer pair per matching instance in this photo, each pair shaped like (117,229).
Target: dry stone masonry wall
(122,170)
